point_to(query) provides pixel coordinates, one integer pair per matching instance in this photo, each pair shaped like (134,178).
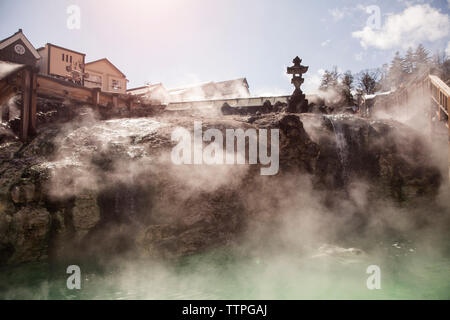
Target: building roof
(16,36)
(221,85)
(228,87)
(59,47)
(377,94)
(146,89)
(109,62)
(191,86)
(148,86)
(237,88)
(229,83)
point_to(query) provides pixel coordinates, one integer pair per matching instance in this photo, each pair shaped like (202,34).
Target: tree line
(349,88)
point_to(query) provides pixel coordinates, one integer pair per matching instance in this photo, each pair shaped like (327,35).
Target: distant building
(238,88)
(151,93)
(18,49)
(62,63)
(379,102)
(106,76)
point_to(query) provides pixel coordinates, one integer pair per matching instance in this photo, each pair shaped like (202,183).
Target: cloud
(338,14)
(414,25)
(447,51)
(325,43)
(341,13)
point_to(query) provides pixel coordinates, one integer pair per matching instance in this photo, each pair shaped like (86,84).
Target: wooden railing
(436,94)
(440,93)
(425,86)
(29,84)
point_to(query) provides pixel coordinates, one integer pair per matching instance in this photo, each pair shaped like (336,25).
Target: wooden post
(114,100)
(25,109)
(130,104)
(96,96)
(448,127)
(33,104)
(5,113)
(6,92)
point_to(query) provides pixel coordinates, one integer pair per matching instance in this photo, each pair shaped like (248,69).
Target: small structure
(238,88)
(18,49)
(106,76)
(297,101)
(229,89)
(62,63)
(152,93)
(379,102)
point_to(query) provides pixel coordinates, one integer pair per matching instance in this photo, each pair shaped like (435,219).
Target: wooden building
(152,93)
(106,76)
(229,89)
(62,63)
(18,49)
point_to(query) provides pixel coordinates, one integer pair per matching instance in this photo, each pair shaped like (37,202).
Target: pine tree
(408,62)
(347,86)
(396,73)
(421,59)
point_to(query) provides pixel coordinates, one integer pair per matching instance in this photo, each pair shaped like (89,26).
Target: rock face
(97,187)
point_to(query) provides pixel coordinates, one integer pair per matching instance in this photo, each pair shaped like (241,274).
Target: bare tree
(367,81)
(330,79)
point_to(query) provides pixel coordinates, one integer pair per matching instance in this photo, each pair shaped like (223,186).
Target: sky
(183,42)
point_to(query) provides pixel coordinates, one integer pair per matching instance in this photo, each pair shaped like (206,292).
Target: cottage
(106,76)
(18,49)
(62,63)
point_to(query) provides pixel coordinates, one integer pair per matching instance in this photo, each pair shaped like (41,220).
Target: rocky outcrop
(26,235)
(265,108)
(98,187)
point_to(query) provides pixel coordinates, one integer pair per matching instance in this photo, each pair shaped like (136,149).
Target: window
(67,58)
(70,59)
(115,84)
(63,57)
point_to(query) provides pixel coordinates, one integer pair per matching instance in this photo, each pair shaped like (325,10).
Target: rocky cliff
(98,187)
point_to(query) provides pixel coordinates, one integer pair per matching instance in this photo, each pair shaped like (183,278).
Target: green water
(221,274)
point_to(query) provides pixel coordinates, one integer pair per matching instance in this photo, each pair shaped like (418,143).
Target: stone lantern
(297,102)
